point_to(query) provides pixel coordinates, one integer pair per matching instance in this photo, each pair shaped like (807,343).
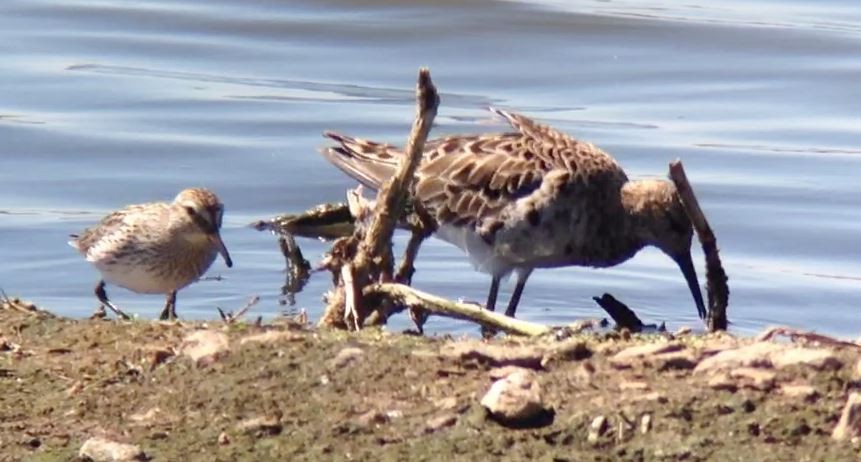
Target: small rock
(757,379)
(819,359)
(372,418)
(516,398)
(571,350)
(504,371)
(646,423)
(102,450)
(495,355)
(158,355)
(677,361)
(722,381)
(145,417)
(684,330)
(75,388)
(271,336)
(346,357)
(849,426)
(223,439)
(205,346)
(754,355)
(424,354)
(640,351)
(653,396)
(266,425)
(597,428)
(440,422)
(803,391)
(636,386)
(446,404)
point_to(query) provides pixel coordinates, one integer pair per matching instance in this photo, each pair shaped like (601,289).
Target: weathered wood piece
(716,286)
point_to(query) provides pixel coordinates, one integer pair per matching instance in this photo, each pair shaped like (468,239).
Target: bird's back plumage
(497,183)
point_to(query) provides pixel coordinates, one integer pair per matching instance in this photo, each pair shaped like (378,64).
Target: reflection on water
(109,103)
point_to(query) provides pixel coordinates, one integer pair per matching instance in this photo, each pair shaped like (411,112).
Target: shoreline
(286,391)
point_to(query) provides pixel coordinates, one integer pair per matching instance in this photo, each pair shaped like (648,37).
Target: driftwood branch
(373,254)
(804,336)
(716,286)
(407,296)
(325,221)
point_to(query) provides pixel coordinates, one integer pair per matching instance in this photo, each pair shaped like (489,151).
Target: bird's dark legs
(491,296)
(488,332)
(169,311)
(103,297)
(522,276)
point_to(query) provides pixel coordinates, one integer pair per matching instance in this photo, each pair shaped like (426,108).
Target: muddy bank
(200,391)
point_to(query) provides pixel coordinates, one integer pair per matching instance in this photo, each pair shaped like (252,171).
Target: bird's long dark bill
(687,266)
(222,249)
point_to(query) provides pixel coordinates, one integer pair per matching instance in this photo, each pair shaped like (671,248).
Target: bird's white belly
(137,278)
(482,255)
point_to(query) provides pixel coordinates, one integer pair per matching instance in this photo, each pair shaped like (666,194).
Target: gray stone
(346,357)
(205,346)
(103,450)
(515,398)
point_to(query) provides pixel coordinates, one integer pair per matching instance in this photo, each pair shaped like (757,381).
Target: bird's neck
(645,203)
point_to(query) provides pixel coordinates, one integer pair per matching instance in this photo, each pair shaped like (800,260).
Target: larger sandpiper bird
(156,248)
(532,198)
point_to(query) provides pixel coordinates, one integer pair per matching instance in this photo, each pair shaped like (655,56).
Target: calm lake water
(107,103)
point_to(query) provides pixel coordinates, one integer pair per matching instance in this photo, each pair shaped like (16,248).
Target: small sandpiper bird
(532,198)
(156,248)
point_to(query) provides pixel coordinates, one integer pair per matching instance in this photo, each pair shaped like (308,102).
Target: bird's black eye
(190,211)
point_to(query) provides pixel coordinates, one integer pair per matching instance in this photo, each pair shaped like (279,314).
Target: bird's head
(660,220)
(202,211)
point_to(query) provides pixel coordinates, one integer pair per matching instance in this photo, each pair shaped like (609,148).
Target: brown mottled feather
(472,179)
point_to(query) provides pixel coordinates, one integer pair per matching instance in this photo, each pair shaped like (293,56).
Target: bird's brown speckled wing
(112,234)
(470,180)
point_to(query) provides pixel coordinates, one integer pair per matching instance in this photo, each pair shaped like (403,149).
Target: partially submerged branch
(407,296)
(716,286)
(623,316)
(372,259)
(325,221)
(298,269)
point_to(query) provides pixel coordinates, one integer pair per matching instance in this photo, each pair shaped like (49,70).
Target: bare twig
(231,317)
(373,256)
(804,336)
(716,286)
(422,225)
(407,296)
(351,297)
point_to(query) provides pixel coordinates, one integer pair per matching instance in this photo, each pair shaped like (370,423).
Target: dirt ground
(289,392)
